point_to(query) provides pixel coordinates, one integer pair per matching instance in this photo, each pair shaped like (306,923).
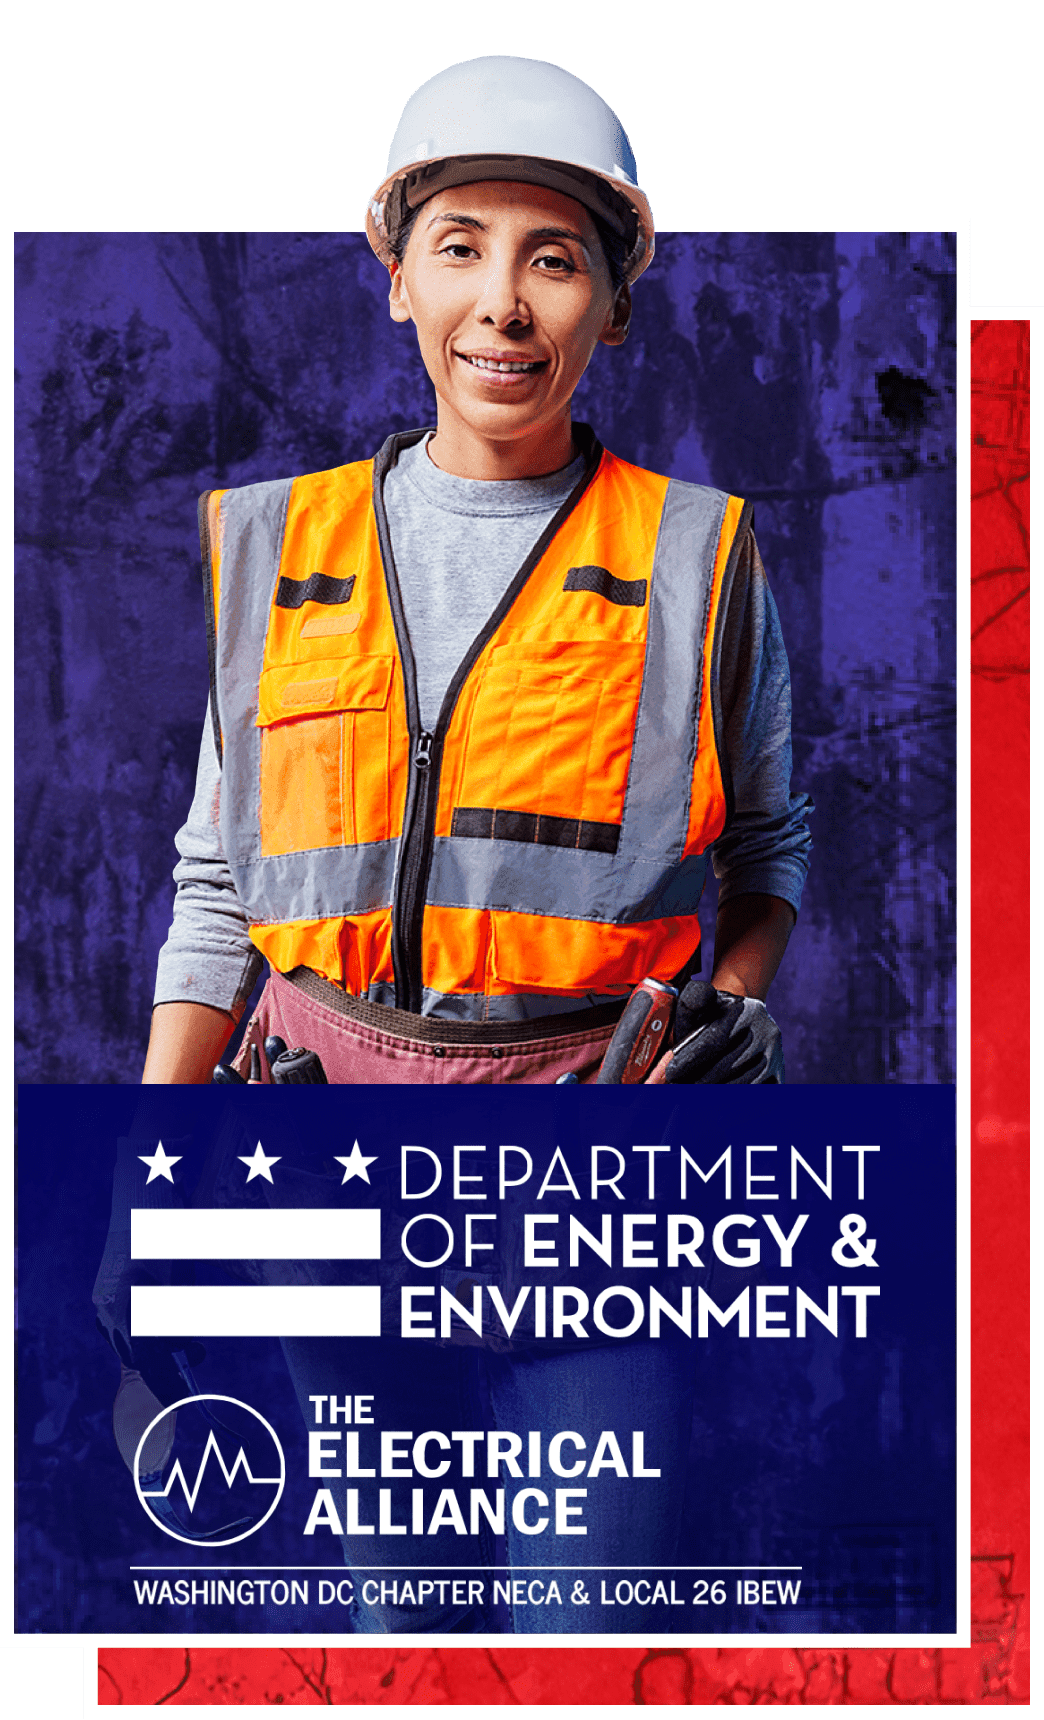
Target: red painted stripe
(996,1667)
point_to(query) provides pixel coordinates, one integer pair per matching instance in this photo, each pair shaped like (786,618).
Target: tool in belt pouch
(641,1035)
(294,1068)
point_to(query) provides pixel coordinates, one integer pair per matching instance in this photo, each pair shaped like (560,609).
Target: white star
(258,1163)
(355,1165)
(159,1163)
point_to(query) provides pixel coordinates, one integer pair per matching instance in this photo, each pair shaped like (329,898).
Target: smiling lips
(503,370)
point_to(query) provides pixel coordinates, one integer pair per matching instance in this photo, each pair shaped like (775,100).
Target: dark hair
(397,245)
(614,246)
(615,250)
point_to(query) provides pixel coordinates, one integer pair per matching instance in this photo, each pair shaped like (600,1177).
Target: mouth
(503,370)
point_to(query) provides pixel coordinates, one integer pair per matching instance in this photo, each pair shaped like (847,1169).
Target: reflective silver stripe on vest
(319,884)
(645,879)
(659,783)
(250,542)
(567,883)
(519,877)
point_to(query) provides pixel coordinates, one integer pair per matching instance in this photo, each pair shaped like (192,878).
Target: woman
(482,708)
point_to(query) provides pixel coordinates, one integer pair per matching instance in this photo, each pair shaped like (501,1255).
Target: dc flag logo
(202,1479)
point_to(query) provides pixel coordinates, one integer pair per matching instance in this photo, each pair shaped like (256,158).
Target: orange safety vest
(547,841)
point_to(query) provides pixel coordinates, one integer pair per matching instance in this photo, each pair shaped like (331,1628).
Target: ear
(398,298)
(619,319)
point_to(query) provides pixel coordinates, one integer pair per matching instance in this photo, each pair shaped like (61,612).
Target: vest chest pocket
(550,733)
(326,754)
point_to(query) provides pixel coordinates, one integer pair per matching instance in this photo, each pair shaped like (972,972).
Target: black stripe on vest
(490,824)
(317,588)
(629,593)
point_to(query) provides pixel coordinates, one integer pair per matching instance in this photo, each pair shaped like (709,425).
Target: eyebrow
(534,232)
(557,233)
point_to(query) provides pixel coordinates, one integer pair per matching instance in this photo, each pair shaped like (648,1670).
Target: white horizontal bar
(255,1311)
(255,1233)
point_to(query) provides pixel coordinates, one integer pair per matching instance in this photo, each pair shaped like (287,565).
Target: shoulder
(680,489)
(695,518)
(247,497)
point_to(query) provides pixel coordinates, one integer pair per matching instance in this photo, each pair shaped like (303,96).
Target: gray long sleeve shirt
(458,543)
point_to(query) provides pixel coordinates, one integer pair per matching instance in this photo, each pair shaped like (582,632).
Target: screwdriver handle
(641,1034)
(298,1067)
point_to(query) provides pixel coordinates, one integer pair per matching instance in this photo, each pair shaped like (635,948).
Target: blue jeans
(539,1574)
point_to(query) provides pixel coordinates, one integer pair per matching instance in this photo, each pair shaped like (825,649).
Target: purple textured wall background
(812,373)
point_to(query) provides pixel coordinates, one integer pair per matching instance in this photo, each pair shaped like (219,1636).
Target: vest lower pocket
(351,952)
(540,953)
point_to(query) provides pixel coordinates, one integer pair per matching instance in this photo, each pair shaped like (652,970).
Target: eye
(457,249)
(553,264)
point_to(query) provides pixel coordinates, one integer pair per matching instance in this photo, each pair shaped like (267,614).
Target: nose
(501,301)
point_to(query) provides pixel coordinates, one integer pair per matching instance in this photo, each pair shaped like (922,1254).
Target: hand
(135,1408)
(155,1360)
(719,1037)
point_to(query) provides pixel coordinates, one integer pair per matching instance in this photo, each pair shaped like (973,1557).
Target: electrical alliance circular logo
(232,1478)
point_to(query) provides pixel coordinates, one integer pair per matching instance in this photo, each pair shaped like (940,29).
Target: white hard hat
(522,120)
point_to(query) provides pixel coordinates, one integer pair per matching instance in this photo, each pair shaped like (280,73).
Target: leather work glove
(719,1037)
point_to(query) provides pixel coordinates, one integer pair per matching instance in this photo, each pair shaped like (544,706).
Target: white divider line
(256,1310)
(255,1233)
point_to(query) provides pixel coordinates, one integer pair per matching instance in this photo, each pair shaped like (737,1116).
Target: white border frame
(960,1638)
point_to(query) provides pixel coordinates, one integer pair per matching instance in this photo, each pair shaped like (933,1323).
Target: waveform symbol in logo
(164,1500)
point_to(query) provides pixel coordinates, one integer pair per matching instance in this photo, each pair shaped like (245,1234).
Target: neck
(464,453)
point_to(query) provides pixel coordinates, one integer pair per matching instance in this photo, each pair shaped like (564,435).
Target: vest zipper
(411,887)
(417,843)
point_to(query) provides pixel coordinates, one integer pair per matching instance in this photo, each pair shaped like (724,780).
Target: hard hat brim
(621,205)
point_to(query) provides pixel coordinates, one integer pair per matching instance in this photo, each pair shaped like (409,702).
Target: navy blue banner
(526,1360)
